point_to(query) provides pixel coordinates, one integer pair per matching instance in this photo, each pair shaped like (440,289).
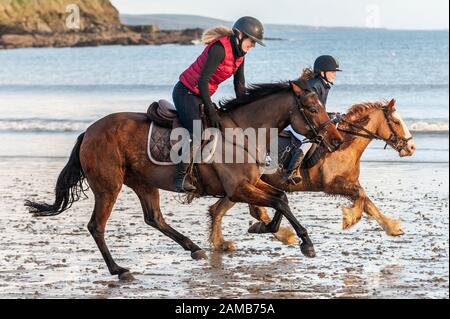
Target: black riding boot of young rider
(290,176)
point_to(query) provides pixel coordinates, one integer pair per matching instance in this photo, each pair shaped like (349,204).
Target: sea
(50,95)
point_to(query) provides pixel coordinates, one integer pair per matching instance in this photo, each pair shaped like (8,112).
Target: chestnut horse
(335,174)
(113,152)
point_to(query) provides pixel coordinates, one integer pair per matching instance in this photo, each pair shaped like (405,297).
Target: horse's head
(394,130)
(309,117)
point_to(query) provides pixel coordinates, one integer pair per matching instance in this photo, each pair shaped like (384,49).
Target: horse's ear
(301,87)
(391,106)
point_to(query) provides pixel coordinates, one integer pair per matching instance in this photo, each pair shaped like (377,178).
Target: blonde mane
(358,111)
(215,33)
(358,114)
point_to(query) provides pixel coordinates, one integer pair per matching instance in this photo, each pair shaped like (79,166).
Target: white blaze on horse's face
(411,146)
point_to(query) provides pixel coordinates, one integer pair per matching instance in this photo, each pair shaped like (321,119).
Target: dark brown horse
(112,152)
(335,174)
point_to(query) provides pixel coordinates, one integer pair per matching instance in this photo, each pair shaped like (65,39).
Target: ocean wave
(43,125)
(427,127)
(83,88)
(67,125)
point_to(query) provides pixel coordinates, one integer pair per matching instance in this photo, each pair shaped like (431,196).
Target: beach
(57,257)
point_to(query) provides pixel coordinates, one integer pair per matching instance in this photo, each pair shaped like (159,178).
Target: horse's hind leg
(391,226)
(152,215)
(104,203)
(216,212)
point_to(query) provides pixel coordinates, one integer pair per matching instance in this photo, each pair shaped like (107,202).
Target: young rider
(321,80)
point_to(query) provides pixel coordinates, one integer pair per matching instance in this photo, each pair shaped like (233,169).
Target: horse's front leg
(285,234)
(263,194)
(353,191)
(391,226)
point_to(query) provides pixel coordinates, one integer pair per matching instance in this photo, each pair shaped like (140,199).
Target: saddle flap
(160,143)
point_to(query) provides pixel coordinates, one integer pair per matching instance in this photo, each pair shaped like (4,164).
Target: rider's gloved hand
(213,117)
(339,118)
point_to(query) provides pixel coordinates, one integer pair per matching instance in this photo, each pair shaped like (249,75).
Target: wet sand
(57,258)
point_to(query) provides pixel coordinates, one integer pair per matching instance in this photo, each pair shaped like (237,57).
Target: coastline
(125,36)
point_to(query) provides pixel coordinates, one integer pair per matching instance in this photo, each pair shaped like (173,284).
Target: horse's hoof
(126,277)
(257,228)
(286,236)
(394,228)
(308,250)
(228,246)
(199,255)
(396,233)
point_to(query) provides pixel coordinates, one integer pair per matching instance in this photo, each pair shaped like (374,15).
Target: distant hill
(180,22)
(172,21)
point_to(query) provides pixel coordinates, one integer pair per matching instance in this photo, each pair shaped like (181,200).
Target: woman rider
(321,80)
(223,57)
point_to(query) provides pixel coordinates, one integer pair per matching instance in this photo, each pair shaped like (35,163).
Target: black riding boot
(296,160)
(181,179)
(182,183)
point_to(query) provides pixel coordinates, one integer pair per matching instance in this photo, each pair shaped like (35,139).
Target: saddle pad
(159,145)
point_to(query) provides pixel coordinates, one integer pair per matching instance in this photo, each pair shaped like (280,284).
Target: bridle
(398,143)
(316,131)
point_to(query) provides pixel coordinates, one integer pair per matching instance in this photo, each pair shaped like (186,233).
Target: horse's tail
(69,187)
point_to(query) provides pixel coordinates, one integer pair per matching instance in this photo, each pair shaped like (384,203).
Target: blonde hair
(215,33)
(307,74)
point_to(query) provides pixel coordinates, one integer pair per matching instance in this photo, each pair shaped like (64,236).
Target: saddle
(164,114)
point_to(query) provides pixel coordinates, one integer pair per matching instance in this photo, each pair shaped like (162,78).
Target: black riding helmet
(251,28)
(326,63)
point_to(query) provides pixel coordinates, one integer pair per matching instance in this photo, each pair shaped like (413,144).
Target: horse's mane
(254,93)
(359,111)
(359,114)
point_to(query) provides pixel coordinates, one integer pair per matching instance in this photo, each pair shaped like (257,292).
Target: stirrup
(182,185)
(294,180)
(186,186)
(291,178)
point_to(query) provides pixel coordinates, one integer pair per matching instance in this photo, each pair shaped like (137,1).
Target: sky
(392,14)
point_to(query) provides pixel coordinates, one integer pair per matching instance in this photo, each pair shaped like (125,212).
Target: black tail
(69,187)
